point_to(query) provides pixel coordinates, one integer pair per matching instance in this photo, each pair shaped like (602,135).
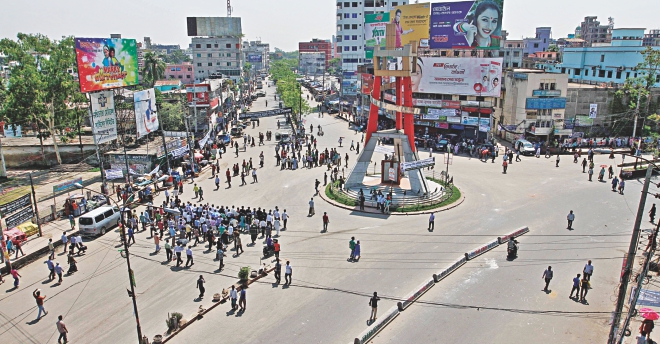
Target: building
(168,85)
(512,51)
(317,45)
(350,36)
(652,39)
(592,32)
(183,72)
(312,63)
(609,64)
(217,56)
(257,54)
(536,60)
(534,104)
(540,42)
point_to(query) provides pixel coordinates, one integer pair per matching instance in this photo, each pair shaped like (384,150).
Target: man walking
(189,257)
(432,222)
(316,186)
(40,302)
(588,270)
(547,275)
(570,217)
(177,250)
(311,206)
(373,302)
(233,295)
(51,268)
(278,270)
(351,245)
(243,299)
(201,194)
(576,287)
(65,239)
(287,273)
(200,286)
(58,271)
(285,217)
(557,161)
(61,328)
(326,220)
(168,251)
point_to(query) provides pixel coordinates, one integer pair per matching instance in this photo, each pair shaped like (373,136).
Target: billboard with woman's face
(466,76)
(466,24)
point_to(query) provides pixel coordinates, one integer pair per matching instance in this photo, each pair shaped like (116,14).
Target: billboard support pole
(36,206)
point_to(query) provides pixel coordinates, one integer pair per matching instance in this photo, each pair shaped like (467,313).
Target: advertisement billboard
(254,57)
(105,63)
(198,94)
(593,110)
(214,26)
(464,76)
(412,24)
(349,86)
(103,116)
(374,32)
(466,24)
(146,116)
(367,83)
(545,103)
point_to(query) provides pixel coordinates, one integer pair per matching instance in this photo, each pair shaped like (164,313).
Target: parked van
(525,147)
(98,221)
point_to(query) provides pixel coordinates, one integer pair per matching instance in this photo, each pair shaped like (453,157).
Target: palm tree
(154,68)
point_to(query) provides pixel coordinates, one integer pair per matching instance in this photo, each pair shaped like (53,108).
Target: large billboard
(374,32)
(412,24)
(146,116)
(254,57)
(464,76)
(466,24)
(105,63)
(103,117)
(214,26)
(367,83)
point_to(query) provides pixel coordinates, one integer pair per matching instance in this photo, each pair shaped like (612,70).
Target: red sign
(367,83)
(198,93)
(389,97)
(215,102)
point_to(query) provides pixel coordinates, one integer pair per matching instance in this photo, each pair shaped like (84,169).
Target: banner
(419,164)
(384,150)
(464,76)
(593,110)
(466,24)
(146,116)
(105,63)
(367,83)
(23,215)
(412,24)
(198,94)
(374,32)
(269,113)
(583,121)
(67,185)
(14,205)
(103,117)
(254,57)
(646,297)
(444,112)
(114,173)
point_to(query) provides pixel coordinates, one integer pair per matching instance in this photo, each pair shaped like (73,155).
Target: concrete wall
(31,157)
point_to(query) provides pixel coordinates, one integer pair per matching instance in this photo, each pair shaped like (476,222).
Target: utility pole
(36,206)
(167,157)
(3,168)
(630,259)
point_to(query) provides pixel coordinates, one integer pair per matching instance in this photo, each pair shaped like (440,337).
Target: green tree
(154,69)
(639,87)
(177,56)
(40,87)
(171,116)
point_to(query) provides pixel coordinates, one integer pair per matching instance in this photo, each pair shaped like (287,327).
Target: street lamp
(131,277)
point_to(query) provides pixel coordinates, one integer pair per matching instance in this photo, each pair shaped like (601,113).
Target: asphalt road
(328,300)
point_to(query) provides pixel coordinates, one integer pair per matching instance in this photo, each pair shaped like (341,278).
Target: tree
(247,67)
(553,47)
(640,87)
(171,116)
(40,87)
(177,56)
(154,68)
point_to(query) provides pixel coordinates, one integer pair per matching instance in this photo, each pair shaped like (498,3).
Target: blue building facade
(604,63)
(540,42)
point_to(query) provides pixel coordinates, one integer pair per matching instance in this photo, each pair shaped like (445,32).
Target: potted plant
(244,273)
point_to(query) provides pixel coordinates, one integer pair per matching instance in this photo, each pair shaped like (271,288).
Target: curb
(437,210)
(33,256)
(368,334)
(223,300)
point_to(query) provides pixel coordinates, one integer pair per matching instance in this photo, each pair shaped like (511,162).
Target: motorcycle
(268,251)
(512,251)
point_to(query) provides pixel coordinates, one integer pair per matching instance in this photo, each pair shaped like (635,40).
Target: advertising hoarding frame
(146,112)
(106,63)
(413,24)
(457,25)
(375,29)
(464,76)
(102,116)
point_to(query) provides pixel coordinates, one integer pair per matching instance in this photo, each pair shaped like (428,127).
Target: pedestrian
(588,270)
(131,236)
(168,251)
(18,248)
(622,185)
(326,220)
(254,176)
(652,213)
(285,217)
(243,299)
(14,273)
(278,270)
(65,239)
(570,217)
(61,328)
(201,194)
(177,250)
(557,161)
(615,182)
(373,302)
(505,164)
(576,287)
(431,222)
(518,156)
(233,296)
(356,252)
(157,242)
(584,285)
(547,275)
(217,181)
(584,165)
(351,245)
(316,186)
(72,221)
(189,257)
(51,268)
(276,246)
(288,271)
(646,328)
(311,207)
(51,249)
(200,286)
(221,256)
(591,173)
(58,271)
(40,302)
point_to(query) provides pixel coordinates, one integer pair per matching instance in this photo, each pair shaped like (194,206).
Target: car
(236,131)
(261,94)
(441,146)
(525,147)
(283,137)
(98,221)
(224,138)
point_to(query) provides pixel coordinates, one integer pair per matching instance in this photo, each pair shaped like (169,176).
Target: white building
(215,56)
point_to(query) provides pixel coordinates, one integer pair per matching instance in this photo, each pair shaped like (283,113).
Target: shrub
(244,273)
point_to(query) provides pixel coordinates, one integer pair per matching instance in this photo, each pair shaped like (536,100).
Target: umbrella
(648,313)
(603,166)
(198,156)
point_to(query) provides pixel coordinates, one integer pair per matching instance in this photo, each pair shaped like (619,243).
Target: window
(593,72)
(514,65)
(443,53)
(339,5)
(601,73)
(187,76)
(217,63)
(210,64)
(209,55)
(609,74)
(395,4)
(353,15)
(347,15)
(347,4)
(199,55)
(602,58)
(354,37)
(228,64)
(108,213)
(516,54)
(553,86)
(347,48)
(480,99)
(456,53)
(228,45)
(354,4)
(347,26)
(501,54)
(347,37)
(173,69)
(508,53)
(618,74)
(339,38)
(576,71)
(354,26)
(180,76)
(208,46)
(199,64)
(354,48)
(462,98)
(215,45)
(536,45)
(198,46)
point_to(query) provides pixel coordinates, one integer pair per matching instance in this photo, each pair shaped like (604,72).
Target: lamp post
(131,277)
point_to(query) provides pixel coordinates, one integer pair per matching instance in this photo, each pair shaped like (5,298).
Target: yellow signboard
(412,24)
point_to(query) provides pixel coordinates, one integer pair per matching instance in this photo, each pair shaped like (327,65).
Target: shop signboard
(23,215)
(545,103)
(103,117)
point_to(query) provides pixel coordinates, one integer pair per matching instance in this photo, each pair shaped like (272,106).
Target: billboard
(464,76)
(367,83)
(374,32)
(103,116)
(466,24)
(198,94)
(214,26)
(254,57)
(545,103)
(593,110)
(105,63)
(412,24)
(146,116)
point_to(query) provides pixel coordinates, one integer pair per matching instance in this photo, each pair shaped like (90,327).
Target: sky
(282,23)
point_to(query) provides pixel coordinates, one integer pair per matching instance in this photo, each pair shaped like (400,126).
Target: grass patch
(95,169)
(14,194)
(345,200)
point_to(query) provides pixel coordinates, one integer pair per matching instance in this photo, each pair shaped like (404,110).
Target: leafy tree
(40,88)
(171,116)
(287,86)
(154,69)
(177,56)
(247,67)
(553,48)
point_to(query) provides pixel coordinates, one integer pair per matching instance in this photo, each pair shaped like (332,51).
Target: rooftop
(175,82)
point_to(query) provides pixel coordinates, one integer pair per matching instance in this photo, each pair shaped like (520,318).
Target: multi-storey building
(183,72)
(317,45)
(540,42)
(312,63)
(257,54)
(652,39)
(592,32)
(217,56)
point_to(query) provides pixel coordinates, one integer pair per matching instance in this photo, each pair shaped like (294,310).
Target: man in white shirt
(287,273)
(269,220)
(588,270)
(189,256)
(285,217)
(570,217)
(178,249)
(233,295)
